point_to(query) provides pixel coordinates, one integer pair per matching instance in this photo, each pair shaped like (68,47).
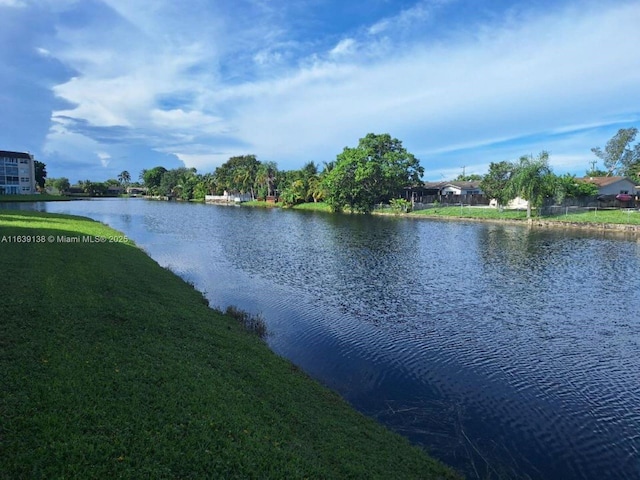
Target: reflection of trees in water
(531,254)
(371,268)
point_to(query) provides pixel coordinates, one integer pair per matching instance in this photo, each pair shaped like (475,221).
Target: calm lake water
(505,352)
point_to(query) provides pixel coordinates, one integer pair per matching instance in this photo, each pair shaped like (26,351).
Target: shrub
(251,323)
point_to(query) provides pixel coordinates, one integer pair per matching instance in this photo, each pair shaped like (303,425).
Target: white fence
(228,198)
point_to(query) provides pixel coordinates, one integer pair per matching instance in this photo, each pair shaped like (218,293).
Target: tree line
(376,171)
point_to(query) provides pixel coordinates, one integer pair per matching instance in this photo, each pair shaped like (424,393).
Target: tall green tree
(40,173)
(238,174)
(568,186)
(152,178)
(495,184)
(266,175)
(532,180)
(473,177)
(124,178)
(618,156)
(60,184)
(375,171)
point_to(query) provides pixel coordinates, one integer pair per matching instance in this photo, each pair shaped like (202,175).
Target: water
(504,351)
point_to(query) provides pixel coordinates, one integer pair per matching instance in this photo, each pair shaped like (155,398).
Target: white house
(461,188)
(516,203)
(228,197)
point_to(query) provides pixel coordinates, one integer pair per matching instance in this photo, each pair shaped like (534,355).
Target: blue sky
(94,87)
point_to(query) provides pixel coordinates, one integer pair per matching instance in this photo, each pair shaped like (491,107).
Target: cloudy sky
(94,87)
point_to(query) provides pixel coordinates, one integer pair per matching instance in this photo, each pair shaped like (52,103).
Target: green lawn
(472,212)
(315,206)
(616,216)
(113,367)
(619,216)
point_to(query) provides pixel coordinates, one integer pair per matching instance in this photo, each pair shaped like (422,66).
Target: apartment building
(17,173)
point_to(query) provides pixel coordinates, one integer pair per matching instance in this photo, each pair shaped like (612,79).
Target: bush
(251,323)
(400,205)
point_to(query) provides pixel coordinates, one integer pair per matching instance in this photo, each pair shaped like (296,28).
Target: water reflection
(506,351)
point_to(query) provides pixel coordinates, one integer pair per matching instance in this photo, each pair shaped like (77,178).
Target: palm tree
(124,178)
(531,180)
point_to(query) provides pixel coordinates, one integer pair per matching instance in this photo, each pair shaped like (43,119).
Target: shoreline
(535,222)
(116,367)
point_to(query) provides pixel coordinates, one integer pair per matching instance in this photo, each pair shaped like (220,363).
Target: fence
(470,199)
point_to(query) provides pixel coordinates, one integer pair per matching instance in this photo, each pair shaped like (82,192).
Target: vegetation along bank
(112,366)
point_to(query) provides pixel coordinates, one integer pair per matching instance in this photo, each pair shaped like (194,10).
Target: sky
(95,87)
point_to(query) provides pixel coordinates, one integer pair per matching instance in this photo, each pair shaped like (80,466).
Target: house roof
(465,185)
(460,185)
(603,181)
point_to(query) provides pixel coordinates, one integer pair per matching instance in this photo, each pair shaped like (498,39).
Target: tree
(60,184)
(375,171)
(178,182)
(532,180)
(40,173)
(124,178)
(596,172)
(238,174)
(617,155)
(153,177)
(495,184)
(567,186)
(266,175)
(473,177)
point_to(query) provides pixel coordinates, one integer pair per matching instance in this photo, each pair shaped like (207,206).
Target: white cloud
(178,119)
(170,75)
(540,76)
(105,158)
(344,47)
(406,18)
(12,3)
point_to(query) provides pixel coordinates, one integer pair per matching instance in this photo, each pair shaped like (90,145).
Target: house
(134,191)
(17,173)
(114,190)
(612,185)
(446,192)
(517,203)
(461,188)
(228,197)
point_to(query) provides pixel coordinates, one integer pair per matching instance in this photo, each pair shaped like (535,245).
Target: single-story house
(461,188)
(137,190)
(454,191)
(517,203)
(612,185)
(114,190)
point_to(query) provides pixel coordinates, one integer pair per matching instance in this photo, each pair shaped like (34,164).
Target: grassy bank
(594,218)
(317,206)
(112,366)
(597,216)
(471,212)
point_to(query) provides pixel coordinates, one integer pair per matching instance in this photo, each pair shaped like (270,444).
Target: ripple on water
(507,352)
